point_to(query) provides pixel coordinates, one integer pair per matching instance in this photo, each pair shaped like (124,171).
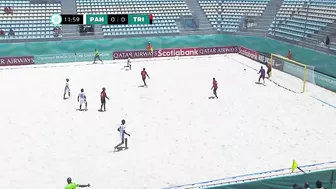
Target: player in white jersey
(82,100)
(128,65)
(66,89)
(122,131)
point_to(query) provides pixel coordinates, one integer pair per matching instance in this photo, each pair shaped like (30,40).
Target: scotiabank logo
(248,53)
(175,52)
(178,52)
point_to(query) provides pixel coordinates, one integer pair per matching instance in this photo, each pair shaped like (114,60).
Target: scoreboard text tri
(104,19)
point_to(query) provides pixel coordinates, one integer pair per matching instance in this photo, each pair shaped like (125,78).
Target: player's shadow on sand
(82,110)
(260,83)
(118,149)
(141,86)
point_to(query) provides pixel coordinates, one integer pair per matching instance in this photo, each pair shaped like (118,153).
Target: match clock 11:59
(72,19)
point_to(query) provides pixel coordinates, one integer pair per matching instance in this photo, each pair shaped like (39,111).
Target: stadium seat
(298,19)
(165,13)
(29,21)
(226,15)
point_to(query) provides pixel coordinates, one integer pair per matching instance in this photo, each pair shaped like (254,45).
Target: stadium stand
(298,19)
(28,21)
(226,15)
(165,13)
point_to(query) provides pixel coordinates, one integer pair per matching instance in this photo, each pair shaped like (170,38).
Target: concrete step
(83,37)
(311,41)
(269,13)
(260,34)
(198,12)
(203,21)
(258,30)
(203,26)
(69,7)
(262,23)
(318,48)
(266,19)
(327,31)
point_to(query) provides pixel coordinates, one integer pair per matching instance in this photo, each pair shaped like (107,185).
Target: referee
(72,185)
(96,56)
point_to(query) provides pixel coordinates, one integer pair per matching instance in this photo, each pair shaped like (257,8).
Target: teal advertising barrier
(82,50)
(273,179)
(323,63)
(286,182)
(312,76)
(71,57)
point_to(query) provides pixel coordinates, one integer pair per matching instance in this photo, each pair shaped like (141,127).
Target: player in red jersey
(214,87)
(144,75)
(103,98)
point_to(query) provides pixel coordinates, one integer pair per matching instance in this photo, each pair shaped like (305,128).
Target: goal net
(302,73)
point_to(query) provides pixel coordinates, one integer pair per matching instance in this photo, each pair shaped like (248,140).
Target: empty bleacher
(165,13)
(226,15)
(29,21)
(298,19)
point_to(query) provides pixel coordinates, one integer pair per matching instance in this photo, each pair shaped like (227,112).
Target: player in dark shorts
(269,70)
(96,56)
(72,185)
(103,98)
(214,87)
(144,75)
(262,74)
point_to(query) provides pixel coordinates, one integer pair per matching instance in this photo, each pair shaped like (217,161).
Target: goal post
(297,69)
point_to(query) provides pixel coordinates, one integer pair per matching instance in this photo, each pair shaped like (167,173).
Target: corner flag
(295,165)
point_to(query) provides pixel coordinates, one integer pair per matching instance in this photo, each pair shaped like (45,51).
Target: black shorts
(269,71)
(103,101)
(262,77)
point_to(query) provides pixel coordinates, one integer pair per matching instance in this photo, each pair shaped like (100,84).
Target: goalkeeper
(269,69)
(96,56)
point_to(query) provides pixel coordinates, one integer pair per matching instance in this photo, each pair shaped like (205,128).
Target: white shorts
(82,101)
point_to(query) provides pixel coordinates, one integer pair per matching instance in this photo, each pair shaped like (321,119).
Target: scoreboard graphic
(104,19)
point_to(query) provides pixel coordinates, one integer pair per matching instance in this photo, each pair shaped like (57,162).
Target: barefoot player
(262,74)
(144,75)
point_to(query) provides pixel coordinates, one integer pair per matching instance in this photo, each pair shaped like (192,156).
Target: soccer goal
(302,72)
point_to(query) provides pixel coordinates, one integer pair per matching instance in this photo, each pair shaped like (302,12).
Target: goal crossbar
(304,67)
